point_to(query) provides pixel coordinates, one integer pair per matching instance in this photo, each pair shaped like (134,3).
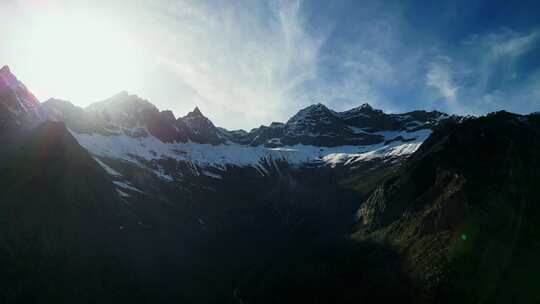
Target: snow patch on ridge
(107,169)
(220,156)
(126,185)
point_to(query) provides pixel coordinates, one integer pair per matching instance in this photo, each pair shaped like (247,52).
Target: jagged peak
(310,111)
(10,82)
(366,106)
(195,118)
(314,107)
(195,113)
(8,77)
(5,70)
(317,106)
(363,110)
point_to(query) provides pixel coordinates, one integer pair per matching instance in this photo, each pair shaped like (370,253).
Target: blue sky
(246,63)
(455,56)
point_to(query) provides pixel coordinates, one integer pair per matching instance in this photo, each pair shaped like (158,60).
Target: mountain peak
(22,105)
(195,113)
(313,114)
(8,78)
(122,97)
(317,106)
(5,70)
(200,128)
(366,106)
(123,109)
(364,110)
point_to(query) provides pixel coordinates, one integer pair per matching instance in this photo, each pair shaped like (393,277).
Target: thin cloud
(492,73)
(439,76)
(245,61)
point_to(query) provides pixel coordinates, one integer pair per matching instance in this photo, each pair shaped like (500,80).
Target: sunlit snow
(219,156)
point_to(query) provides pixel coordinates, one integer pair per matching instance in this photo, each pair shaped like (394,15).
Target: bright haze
(246,63)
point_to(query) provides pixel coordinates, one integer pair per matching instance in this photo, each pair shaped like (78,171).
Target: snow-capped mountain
(132,130)
(201,129)
(126,203)
(129,128)
(319,126)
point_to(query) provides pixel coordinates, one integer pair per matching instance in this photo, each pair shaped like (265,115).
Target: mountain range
(121,202)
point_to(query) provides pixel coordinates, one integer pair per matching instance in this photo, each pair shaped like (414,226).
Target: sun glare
(83,52)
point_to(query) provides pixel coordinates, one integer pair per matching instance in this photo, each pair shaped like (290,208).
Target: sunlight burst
(84,50)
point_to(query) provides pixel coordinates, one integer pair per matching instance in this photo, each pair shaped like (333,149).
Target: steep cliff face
(19,108)
(464,210)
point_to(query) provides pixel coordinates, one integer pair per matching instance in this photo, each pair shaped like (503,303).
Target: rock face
(467,197)
(319,126)
(135,117)
(201,129)
(125,114)
(18,107)
(130,128)
(315,125)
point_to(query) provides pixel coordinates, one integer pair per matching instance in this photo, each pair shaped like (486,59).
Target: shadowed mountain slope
(123,203)
(59,219)
(464,211)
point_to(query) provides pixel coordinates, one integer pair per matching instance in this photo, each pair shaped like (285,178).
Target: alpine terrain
(121,202)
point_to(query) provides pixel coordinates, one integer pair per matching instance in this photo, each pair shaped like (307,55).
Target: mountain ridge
(293,124)
(462,210)
(130,128)
(123,98)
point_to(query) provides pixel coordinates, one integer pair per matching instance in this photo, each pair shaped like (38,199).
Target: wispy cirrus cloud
(440,76)
(489,72)
(250,62)
(242,62)
(246,61)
